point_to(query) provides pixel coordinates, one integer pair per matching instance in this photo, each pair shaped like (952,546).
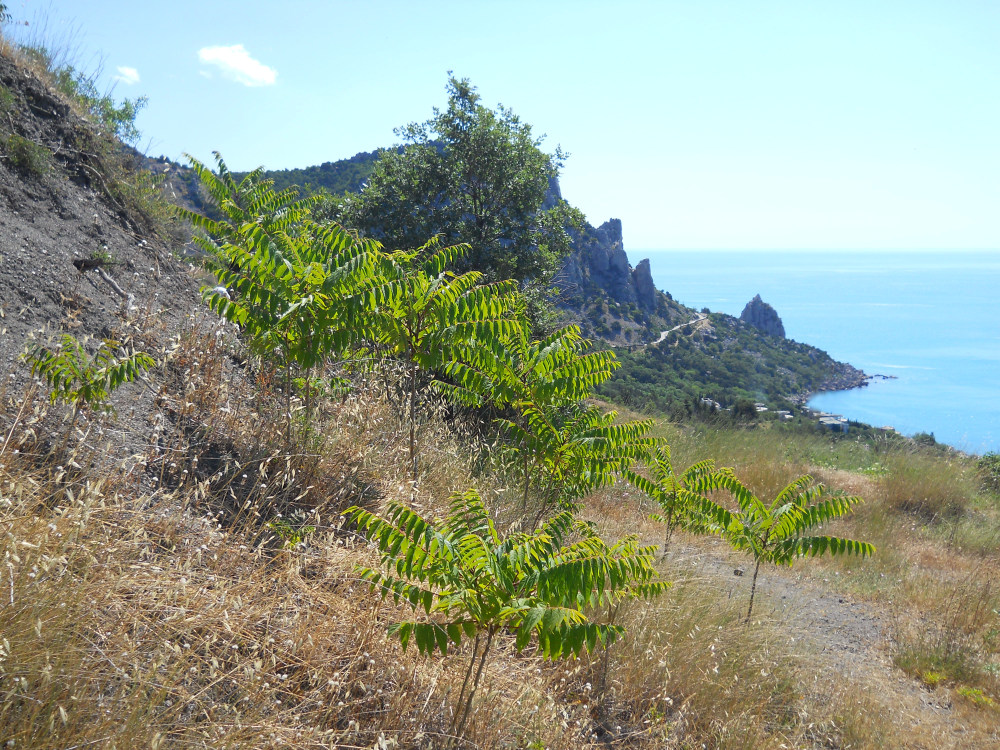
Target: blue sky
(790,125)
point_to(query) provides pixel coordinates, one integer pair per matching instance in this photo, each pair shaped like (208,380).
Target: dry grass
(154,602)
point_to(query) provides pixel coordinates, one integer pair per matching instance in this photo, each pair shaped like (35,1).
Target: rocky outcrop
(599,263)
(763,317)
(645,290)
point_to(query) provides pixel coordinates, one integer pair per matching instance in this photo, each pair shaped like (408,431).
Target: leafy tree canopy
(473,175)
(778,532)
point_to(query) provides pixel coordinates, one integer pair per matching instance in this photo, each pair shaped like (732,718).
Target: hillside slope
(156,597)
(57,210)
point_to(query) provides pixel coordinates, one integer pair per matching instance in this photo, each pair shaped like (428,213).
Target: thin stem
(288,401)
(72,424)
(753,589)
(465,682)
(308,381)
(475,685)
(413,424)
(612,616)
(527,483)
(670,532)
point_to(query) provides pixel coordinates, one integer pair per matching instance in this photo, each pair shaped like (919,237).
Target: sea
(928,319)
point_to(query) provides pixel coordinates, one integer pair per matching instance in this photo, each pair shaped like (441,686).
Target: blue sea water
(931,319)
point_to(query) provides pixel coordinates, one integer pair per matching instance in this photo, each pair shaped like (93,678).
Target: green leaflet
(778,533)
(534,585)
(75,377)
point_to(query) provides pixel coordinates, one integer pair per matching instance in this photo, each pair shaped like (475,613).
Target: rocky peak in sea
(763,317)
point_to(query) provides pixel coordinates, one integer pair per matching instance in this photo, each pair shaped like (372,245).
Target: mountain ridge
(618,305)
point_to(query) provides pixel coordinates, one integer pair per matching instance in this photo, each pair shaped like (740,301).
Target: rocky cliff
(763,317)
(612,299)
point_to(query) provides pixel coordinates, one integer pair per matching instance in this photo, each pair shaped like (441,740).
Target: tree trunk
(413,425)
(753,589)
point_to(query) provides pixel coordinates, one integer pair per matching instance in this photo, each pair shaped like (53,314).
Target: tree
(471,582)
(251,200)
(672,492)
(295,288)
(296,297)
(776,533)
(472,175)
(76,378)
(558,369)
(426,315)
(557,446)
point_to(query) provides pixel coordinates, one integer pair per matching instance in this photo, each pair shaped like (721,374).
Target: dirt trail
(663,334)
(850,637)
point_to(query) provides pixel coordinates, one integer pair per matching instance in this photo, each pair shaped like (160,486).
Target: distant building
(784,415)
(834,423)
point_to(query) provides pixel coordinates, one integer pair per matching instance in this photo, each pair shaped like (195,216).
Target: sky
(758,125)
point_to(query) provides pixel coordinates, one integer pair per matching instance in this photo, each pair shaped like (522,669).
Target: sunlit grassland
(936,525)
(149,603)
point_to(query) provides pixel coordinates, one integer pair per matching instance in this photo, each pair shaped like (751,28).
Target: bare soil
(850,638)
(139,295)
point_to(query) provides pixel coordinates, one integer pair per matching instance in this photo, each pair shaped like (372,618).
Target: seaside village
(824,420)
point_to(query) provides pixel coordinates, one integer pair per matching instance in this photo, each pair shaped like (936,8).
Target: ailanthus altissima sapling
(471,582)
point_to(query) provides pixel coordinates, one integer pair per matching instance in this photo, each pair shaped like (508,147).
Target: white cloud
(236,64)
(127,75)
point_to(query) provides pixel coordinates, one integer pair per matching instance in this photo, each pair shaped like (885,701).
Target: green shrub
(472,582)
(75,377)
(6,99)
(777,533)
(977,697)
(118,118)
(989,471)
(27,156)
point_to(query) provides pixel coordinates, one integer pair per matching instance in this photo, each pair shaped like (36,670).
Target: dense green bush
(27,156)
(989,471)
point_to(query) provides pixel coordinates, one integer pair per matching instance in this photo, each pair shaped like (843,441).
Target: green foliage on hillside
(474,175)
(334,177)
(429,318)
(307,295)
(480,582)
(726,361)
(80,379)
(117,116)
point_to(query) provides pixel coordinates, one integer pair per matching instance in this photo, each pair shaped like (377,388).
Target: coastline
(847,382)
(848,379)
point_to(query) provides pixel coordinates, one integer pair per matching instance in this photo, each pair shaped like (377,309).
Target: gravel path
(850,637)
